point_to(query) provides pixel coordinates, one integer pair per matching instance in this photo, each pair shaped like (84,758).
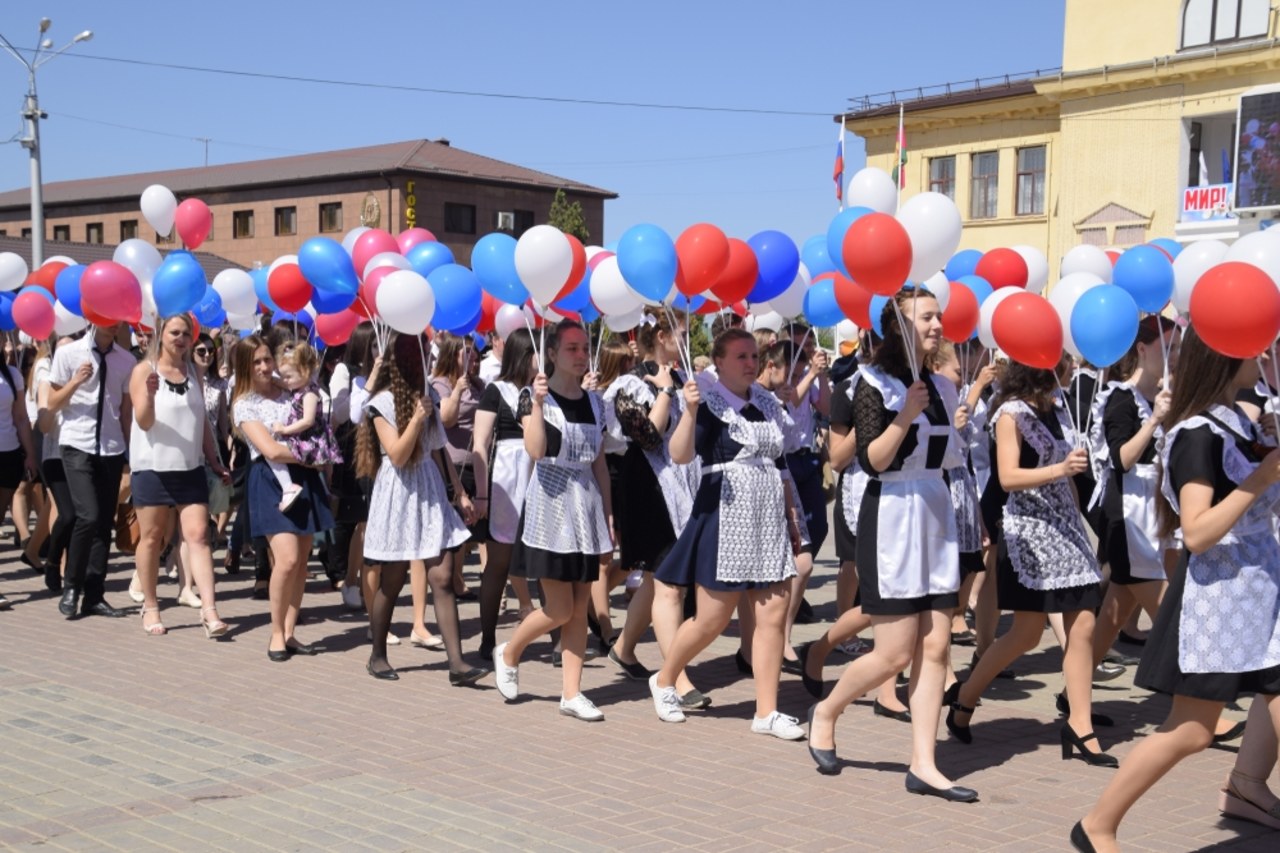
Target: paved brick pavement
(114,740)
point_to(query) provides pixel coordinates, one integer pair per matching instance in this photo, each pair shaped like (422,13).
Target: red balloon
(1114,256)
(1235,308)
(194,221)
(34,315)
(375,241)
(111,290)
(702,251)
(489,305)
(877,253)
(709,306)
(739,274)
(853,300)
(335,329)
(577,271)
(289,288)
(366,303)
(46,275)
(96,319)
(1029,330)
(961,316)
(1002,268)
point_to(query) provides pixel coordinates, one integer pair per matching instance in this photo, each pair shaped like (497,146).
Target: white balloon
(872,188)
(283,259)
(1193,261)
(1261,248)
(988,311)
(592,251)
(938,285)
(386,259)
(1088,259)
(790,303)
(349,239)
(64,322)
(544,260)
(625,322)
(406,302)
(609,290)
(150,313)
(13,271)
(140,258)
(1064,296)
(507,319)
(242,322)
(236,289)
(932,222)
(1037,267)
(159,206)
(772,321)
(59,259)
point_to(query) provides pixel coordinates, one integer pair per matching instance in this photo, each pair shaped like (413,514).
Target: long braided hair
(401,373)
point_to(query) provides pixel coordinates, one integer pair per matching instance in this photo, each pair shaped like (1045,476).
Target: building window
(1212,21)
(1093,236)
(4,232)
(330,217)
(1030,181)
(942,176)
(984,186)
(164,238)
(286,221)
(93,232)
(241,224)
(60,232)
(523,221)
(26,232)
(128,229)
(1130,235)
(459,218)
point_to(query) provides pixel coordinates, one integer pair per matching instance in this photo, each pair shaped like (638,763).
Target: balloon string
(1275,415)
(426,382)
(795,351)
(1165,347)
(911,349)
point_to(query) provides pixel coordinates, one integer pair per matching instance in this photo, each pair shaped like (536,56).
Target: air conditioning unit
(506,220)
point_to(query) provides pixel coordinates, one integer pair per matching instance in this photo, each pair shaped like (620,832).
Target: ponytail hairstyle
(401,373)
(1035,386)
(1150,330)
(647,334)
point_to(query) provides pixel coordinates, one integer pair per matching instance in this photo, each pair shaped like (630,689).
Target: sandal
(214,629)
(1234,804)
(155,629)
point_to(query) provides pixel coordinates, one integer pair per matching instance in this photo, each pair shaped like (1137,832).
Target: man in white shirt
(89,386)
(491,364)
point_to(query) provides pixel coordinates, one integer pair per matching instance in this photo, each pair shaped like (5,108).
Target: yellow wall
(1113,32)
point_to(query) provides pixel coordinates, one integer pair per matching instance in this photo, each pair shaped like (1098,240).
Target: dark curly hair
(891,356)
(401,372)
(1035,386)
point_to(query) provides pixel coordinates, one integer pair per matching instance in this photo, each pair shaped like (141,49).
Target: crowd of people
(964,486)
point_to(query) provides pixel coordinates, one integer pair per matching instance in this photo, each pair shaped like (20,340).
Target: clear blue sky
(743,172)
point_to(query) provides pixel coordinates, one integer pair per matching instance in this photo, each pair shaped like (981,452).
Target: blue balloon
(647,260)
(331,303)
(428,256)
(467,327)
(302,318)
(835,234)
(67,287)
(494,261)
(208,308)
(876,310)
(179,284)
(327,266)
(1147,273)
(218,321)
(259,277)
(687,303)
(980,286)
(479,341)
(457,292)
(1104,324)
(578,298)
(35,288)
(820,306)
(1170,245)
(962,263)
(6,312)
(589,314)
(779,261)
(816,258)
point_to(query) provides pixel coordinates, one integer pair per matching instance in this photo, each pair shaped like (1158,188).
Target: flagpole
(838,174)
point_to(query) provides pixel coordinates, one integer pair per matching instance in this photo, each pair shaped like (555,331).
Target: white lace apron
(853,480)
(1043,530)
(509,470)
(678,483)
(753,544)
(563,508)
(917,551)
(1230,618)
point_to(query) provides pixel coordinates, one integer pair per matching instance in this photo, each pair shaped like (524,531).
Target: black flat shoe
(297,648)
(101,609)
(278,656)
(468,595)
(30,563)
(954,794)
(635,671)
(1064,708)
(792,667)
(1131,640)
(828,763)
(468,678)
(1120,658)
(694,700)
(69,603)
(964,638)
(1080,839)
(951,700)
(52,579)
(903,716)
(387,674)
(813,686)
(744,666)
(1073,746)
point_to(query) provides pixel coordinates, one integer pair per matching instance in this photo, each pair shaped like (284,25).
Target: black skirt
(169,488)
(11,470)
(846,540)
(1012,595)
(971,563)
(643,523)
(537,564)
(1159,670)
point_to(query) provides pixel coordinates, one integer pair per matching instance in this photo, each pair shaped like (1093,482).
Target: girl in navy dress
(744,531)
(1217,634)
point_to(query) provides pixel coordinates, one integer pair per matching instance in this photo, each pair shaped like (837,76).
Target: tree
(568,217)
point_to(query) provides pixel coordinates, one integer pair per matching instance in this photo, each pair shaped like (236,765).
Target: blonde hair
(302,356)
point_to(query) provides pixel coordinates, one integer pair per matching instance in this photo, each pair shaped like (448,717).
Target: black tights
(390,584)
(493,593)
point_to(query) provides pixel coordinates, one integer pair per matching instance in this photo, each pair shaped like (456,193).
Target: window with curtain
(942,176)
(1030,200)
(984,185)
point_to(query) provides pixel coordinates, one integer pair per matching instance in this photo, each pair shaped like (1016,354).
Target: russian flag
(837,173)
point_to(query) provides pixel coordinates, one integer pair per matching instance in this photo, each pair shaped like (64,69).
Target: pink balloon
(111,290)
(597,259)
(408,239)
(34,315)
(375,241)
(369,289)
(194,221)
(335,329)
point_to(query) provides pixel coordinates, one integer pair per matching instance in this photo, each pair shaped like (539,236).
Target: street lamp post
(32,114)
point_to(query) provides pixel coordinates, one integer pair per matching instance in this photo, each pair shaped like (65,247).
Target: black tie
(102,396)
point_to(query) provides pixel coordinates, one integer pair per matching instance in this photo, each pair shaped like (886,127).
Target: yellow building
(1101,150)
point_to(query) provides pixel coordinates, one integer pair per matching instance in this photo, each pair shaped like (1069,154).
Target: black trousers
(94,482)
(55,481)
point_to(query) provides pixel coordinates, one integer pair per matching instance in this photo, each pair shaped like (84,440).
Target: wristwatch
(670,390)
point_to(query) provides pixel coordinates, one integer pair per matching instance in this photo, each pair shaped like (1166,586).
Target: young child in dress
(307,434)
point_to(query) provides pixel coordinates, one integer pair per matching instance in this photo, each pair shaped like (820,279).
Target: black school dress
(1121,421)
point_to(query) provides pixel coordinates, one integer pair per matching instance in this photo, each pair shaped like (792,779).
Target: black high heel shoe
(744,666)
(1064,708)
(1080,839)
(1072,742)
(828,763)
(951,700)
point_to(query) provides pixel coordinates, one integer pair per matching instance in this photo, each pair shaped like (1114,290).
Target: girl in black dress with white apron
(908,561)
(567,519)
(1217,634)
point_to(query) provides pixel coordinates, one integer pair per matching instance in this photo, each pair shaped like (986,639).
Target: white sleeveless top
(175,441)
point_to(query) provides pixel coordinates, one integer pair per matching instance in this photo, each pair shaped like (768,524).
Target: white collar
(735,402)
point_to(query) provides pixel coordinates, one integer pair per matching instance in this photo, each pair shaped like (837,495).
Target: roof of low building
(424,156)
(87,253)
(1010,89)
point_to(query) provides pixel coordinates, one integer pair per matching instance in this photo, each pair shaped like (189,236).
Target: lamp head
(84,36)
(45,23)
(46,44)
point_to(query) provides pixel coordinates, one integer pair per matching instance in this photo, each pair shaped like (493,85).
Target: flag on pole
(1204,171)
(900,158)
(837,173)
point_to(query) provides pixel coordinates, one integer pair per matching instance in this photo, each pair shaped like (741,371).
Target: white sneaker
(392,639)
(582,708)
(854,647)
(508,677)
(779,725)
(290,495)
(666,701)
(352,598)
(190,599)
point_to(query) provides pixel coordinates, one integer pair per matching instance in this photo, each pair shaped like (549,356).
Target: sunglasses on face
(202,350)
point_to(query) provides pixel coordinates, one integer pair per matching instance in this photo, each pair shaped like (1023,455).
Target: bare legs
(799,583)
(1120,603)
(153,529)
(564,607)
(288,582)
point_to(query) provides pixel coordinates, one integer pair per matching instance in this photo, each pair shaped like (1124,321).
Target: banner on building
(1210,203)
